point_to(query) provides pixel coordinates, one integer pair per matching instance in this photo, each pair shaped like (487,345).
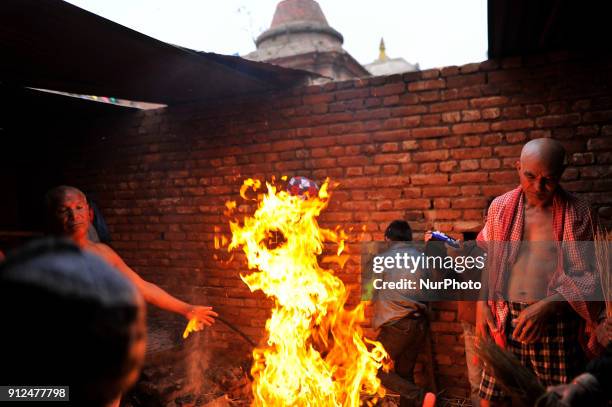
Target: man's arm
(157,296)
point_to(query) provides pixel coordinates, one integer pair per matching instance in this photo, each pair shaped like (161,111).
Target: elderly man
(536,306)
(68,215)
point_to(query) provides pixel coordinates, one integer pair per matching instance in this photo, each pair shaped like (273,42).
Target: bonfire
(314,352)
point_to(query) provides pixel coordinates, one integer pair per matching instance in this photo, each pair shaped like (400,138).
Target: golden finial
(381,48)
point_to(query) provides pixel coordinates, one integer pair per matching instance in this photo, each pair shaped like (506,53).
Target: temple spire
(382,55)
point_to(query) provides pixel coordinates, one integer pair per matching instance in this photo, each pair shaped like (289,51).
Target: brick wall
(429,147)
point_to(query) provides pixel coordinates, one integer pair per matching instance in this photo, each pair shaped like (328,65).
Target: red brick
(390,169)
(472,141)
(466,128)
(428,168)
(598,116)
(450,71)
(469,203)
(436,191)
(467,190)
(391,181)
(391,135)
(371,169)
(411,192)
(443,214)
(503,176)
(491,139)
(468,165)
(353,161)
(384,193)
(357,206)
(411,121)
(465,80)
(467,153)
(351,94)
(599,144)
(513,112)
(430,144)
(408,110)
(430,132)
(448,166)
(323,97)
(434,155)
(392,158)
(320,142)
(426,85)
(508,151)
(451,142)
(448,106)
(390,89)
(389,147)
(491,113)
(430,73)
(354,171)
(535,110)
(558,120)
(441,203)
(509,125)
(412,204)
(470,115)
(349,139)
(490,163)
(469,177)
(410,145)
(437,179)
(451,117)
(516,137)
(431,96)
(489,101)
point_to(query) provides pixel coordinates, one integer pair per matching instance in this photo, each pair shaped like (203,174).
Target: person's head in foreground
(398,231)
(70,319)
(540,168)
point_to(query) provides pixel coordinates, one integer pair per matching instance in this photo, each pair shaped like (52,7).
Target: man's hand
(450,250)
(203,315)
(604,332)
(485,324)
(531,322)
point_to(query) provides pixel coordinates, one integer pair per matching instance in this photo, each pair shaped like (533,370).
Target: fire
(315,353)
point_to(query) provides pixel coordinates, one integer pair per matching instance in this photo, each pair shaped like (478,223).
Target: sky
(434,33)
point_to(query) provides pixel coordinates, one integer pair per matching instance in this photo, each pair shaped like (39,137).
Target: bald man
(536,305)
(69,216)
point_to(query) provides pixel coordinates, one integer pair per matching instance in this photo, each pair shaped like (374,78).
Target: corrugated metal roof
(55,45)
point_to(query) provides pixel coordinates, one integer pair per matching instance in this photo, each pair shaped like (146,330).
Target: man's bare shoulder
(103,251)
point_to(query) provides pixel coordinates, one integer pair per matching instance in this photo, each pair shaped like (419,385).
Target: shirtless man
(534,321)
(69,216)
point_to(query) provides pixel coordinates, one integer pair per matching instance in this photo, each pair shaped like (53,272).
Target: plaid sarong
(554,359)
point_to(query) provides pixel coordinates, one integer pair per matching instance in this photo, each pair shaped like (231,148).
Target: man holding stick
(68,215)
(536,308)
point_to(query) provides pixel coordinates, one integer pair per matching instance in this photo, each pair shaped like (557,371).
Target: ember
(315,352)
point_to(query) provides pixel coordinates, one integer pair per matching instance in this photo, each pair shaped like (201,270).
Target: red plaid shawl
(572,221)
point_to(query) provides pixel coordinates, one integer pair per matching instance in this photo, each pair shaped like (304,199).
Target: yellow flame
(192,326)
(315,353)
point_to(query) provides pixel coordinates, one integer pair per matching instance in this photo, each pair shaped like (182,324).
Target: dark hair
(69,316)
(399,231)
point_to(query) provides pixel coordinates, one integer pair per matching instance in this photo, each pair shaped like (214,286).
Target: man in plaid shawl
(537,306)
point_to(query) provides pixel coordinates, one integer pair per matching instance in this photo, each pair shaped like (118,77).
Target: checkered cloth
(572,221)
(554,358)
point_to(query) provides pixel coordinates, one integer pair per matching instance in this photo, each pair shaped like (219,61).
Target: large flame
(315,353)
